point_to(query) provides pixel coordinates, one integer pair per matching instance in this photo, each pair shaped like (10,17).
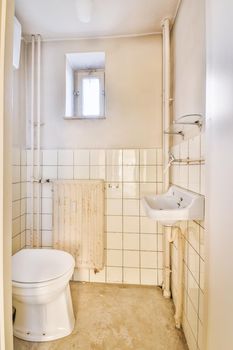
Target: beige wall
(133,95)
(220,173)
(188,51)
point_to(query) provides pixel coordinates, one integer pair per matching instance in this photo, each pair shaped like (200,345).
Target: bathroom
(116,174)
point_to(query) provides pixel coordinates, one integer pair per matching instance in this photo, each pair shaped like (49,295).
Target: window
(89,94)
(85,85)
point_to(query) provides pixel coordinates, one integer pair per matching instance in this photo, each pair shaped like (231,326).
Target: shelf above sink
(175,205)
(178,125)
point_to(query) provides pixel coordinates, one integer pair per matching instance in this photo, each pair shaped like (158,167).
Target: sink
(174,205)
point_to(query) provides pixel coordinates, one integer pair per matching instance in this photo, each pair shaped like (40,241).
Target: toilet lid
(40,265)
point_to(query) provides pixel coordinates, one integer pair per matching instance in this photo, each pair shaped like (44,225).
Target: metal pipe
(166,123)
(180,272)
(167,263)
(185,161)
(32,141)
(166,95)
(171,237)
(38,172)
(188,161)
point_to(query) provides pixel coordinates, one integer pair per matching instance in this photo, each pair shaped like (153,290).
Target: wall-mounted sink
(175,205)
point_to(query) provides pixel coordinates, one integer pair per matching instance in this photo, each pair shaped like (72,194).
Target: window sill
(83,118)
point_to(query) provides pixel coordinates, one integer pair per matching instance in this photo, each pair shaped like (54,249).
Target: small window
(85,85)
(89,94)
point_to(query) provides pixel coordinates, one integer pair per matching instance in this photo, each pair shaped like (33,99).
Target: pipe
(37,237)
(32,141)
(169,237)
(166,123)
(166,96)
(179,301)
(167,263)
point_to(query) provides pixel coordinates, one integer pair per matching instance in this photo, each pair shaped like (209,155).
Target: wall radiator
(78,221)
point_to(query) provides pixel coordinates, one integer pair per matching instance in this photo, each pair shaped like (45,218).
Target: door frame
(6,78)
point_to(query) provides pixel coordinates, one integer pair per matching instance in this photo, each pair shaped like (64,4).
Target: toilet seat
(31,266)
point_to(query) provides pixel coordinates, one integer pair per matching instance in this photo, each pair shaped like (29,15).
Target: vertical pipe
(26,109)
(167,263)
(179,302)
(166,122)
(166,96)
(37,238)
(32,142)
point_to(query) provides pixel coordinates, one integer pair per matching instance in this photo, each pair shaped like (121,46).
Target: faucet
(171,160)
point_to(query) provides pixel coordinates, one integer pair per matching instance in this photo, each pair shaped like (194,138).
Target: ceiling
(57,19)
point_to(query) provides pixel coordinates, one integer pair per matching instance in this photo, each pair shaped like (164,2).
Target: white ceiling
(58,18)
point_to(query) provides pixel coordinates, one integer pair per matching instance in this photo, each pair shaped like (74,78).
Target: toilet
(41,294)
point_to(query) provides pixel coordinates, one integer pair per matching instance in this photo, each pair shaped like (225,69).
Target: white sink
(175,205)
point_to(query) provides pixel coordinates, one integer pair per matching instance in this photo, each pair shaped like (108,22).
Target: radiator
(78,221)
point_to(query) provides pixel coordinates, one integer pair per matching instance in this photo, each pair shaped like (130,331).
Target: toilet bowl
(41,294)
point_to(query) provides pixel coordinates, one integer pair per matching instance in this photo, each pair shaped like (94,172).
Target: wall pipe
(166,94)
(166,123)
(38,172)
(169,236)
(32,140)
(180,272)
(167,263)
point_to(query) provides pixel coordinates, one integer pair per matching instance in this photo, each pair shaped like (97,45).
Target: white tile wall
(19,178)
(82,172)
(97,157)
(131,276)
(133,242)
(148,157)
(81,157)
(114,157)
(131,190)
(191,177)
(113,207)
(65,157)
(130,157)
(131,207)
(50,157)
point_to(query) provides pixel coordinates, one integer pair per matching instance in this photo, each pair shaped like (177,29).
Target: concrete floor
(117,317)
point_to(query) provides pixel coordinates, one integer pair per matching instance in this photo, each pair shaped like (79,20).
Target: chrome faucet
(171,158)
(170,161)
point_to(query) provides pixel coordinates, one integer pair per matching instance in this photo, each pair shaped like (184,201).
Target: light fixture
(84,10)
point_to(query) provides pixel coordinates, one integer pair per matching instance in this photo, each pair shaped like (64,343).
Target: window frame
(79,76)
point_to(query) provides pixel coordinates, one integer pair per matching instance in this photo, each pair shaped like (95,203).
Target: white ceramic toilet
(41,294)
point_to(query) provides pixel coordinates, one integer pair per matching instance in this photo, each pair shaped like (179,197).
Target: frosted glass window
(85,85)
(91,96)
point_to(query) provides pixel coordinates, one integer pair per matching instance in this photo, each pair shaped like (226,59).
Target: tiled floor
(117,317)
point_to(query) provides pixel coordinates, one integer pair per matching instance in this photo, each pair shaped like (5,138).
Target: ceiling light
(84,10)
